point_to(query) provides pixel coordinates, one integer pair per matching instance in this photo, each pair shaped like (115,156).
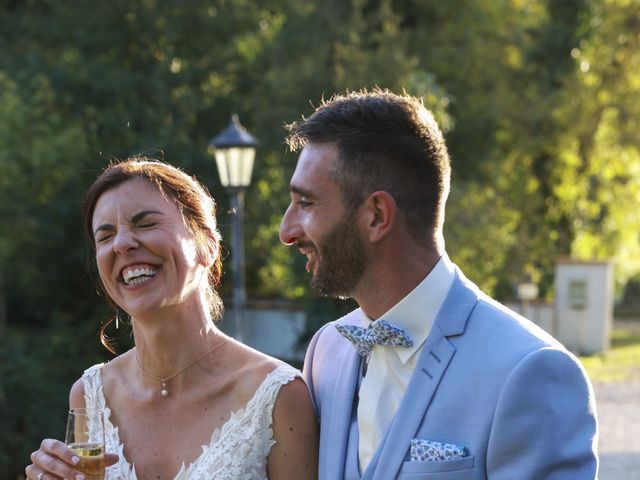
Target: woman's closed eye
(103,237)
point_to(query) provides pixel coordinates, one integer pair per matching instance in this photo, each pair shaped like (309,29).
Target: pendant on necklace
(164,392)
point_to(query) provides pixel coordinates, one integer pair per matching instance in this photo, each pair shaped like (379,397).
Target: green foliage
(37,368)
(622,362)
(628,305)
(538,99)
(480,208)
(596,178)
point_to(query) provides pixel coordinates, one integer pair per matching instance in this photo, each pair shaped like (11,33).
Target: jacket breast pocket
(461,469)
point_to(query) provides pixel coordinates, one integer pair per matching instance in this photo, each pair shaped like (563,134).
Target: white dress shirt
(390,368)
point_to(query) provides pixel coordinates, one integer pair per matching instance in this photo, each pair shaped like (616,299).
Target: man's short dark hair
(385,142)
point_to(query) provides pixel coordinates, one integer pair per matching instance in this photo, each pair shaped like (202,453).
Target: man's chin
(321,289)
(324,294)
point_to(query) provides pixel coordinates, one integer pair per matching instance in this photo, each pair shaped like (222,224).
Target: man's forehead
(317,157)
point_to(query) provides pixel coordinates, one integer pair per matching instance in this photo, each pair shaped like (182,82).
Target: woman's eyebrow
(136,218)
(104,226)
(140,215)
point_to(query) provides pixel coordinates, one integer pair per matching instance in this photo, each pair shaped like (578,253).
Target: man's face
(321,227)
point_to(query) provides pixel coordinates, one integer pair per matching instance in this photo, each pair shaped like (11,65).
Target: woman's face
(146,257)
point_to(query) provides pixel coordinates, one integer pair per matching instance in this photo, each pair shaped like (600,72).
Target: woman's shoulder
(250,358)
(255,369)
(79,388)
(93,378)
(76,395)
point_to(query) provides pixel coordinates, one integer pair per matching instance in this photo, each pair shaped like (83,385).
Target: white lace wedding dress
(238,450)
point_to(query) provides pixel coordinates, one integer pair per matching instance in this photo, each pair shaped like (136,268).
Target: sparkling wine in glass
(85,437)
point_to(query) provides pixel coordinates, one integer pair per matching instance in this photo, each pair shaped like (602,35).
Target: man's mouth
(137,274)
(311,257)
(308,250)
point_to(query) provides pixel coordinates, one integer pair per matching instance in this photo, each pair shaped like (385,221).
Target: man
(461,387)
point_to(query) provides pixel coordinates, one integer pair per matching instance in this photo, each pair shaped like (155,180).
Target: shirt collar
(417,311)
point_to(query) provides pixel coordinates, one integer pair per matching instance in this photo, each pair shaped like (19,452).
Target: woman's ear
(209,248)
(380,215)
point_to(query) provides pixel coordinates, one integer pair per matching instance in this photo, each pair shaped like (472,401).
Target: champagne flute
(85,437)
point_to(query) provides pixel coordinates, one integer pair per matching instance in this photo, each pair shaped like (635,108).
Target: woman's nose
(124,240)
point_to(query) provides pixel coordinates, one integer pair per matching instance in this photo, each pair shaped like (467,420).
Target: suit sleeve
(545,423)
(307,369)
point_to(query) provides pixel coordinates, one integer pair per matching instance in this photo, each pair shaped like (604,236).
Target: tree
(596,179)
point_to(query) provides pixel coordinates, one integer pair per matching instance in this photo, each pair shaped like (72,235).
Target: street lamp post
(235,150)
(527,291)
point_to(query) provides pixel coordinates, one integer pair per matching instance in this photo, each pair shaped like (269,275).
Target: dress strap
(265,395)
(93,392)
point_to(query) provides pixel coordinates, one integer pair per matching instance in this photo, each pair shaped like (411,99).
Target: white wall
(539,312)
(584,305)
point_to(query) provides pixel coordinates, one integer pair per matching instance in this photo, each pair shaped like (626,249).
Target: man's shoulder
(490,313)
(504,332)
(329,333)
(327,355)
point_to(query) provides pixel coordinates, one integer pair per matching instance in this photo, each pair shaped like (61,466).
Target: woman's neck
(170,338)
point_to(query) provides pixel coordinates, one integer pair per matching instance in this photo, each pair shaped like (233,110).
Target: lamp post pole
(235,150)
(237,255)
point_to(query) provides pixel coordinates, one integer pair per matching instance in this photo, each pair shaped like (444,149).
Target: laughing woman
(187,402)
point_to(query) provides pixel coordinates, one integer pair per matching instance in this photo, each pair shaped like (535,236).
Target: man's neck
(388,283)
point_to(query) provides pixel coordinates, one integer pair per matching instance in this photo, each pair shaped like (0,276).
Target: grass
(619,364)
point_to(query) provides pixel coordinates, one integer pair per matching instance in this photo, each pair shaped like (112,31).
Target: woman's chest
(159,441)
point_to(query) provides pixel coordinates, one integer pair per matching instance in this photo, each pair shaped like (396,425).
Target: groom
(429,378)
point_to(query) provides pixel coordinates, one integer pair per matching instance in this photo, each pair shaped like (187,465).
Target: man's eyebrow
(300,191)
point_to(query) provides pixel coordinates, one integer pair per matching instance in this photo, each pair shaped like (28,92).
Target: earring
(117,318)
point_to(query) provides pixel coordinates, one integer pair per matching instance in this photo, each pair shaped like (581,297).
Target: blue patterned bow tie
(379,332)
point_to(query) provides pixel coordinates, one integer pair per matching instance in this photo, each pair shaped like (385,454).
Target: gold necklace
(165,392)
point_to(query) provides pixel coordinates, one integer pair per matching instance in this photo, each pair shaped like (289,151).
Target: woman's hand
(54,460)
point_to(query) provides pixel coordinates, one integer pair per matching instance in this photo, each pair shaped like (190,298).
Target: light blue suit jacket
(487,379)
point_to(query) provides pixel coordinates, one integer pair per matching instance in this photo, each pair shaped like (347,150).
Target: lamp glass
(235,165)
(527,291)
(222,168)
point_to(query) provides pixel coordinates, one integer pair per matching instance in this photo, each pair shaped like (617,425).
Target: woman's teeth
(135,276)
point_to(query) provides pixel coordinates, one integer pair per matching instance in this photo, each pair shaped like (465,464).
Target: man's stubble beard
(341,260)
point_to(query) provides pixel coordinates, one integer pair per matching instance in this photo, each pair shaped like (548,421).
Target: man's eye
(304,203)
(147,225)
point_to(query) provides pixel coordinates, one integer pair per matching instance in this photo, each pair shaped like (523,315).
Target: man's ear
(380,214)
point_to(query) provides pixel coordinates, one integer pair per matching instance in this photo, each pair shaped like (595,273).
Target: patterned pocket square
(429,451)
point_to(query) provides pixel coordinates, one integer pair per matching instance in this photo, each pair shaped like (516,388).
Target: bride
(187,402)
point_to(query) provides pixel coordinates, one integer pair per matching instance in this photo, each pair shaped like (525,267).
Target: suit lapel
(435,358)
(436,355)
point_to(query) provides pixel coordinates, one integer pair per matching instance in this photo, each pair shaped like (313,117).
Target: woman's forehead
(131,195)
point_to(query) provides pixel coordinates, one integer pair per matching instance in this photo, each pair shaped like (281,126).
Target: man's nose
(290,231)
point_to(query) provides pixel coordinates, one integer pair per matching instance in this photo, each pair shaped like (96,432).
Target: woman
(187,402)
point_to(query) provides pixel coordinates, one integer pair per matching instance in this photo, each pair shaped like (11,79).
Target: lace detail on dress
(94,398)
(238,450)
